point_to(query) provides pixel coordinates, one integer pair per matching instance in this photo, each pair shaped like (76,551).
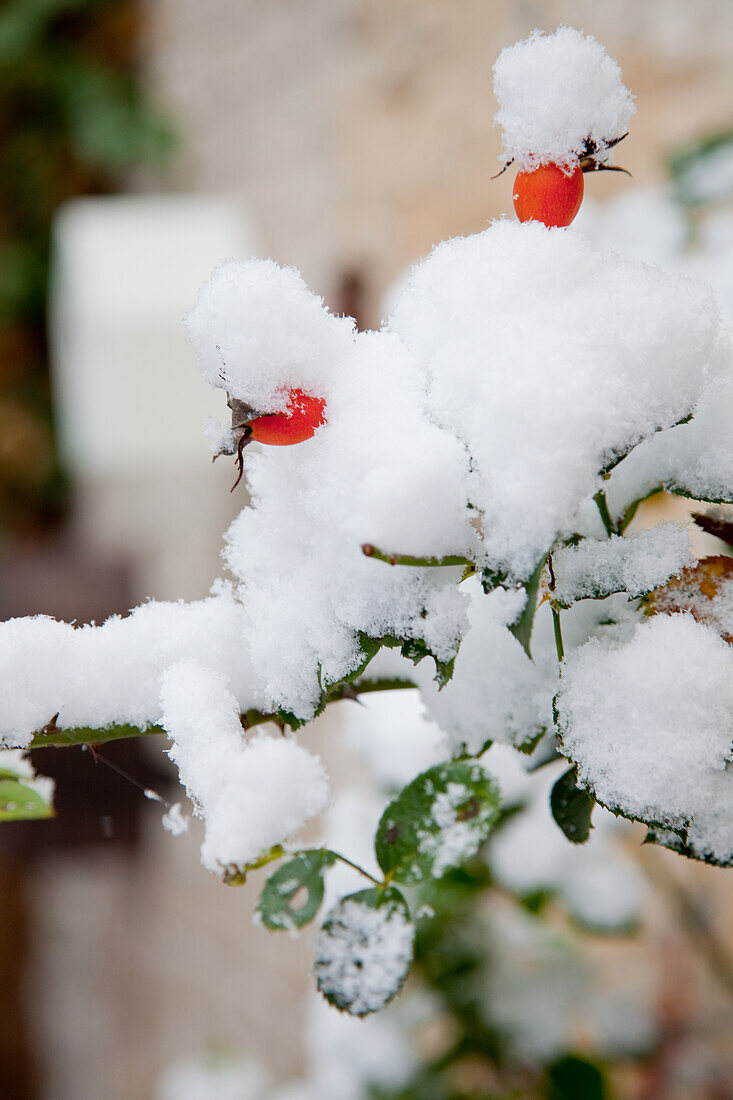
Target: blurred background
(141,142)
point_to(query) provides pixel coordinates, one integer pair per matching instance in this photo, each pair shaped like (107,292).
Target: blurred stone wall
(360,131)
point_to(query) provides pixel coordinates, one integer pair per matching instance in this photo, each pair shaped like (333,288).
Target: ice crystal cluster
(459,522)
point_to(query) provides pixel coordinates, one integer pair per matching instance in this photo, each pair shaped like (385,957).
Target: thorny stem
(555,614)
(370,551)
(602,505)
(53,735)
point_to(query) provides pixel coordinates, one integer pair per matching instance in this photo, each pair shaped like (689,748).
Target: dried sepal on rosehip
(303,415)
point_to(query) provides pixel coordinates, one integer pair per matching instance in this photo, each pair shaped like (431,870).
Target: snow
(694,458)
(496,692)
(174,820)
(391,733)
(634,564)
(599,885)
(257,331)
(455,840)
(252,794)
(555,91)
(706,592)
(648,722)
(540,359)
(362,954)
(517,363)
(94,676)
(348,1057)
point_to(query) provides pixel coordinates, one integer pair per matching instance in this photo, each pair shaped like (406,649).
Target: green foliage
(73,116)
(692,169)
(572,807)
(364,950)
(20,802)
(574,1078)
(302,873)
(437,822)
(522,628)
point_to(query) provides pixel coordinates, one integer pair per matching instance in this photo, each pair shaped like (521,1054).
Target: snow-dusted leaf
(704,590)
(636,564)
(303,872)
(21,802)
(572,807)
(364,950)
(414,649)
(685,845)
(437,822)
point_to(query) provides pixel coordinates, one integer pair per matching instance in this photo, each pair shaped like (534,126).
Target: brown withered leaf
(704,590)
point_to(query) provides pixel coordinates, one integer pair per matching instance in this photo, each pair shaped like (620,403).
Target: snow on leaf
(364,950)
(704,590)
(437,822)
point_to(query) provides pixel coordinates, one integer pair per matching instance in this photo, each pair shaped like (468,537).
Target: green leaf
(19,802)
(414,649)
(572,807)
(631,509)
(437,822)
(679,842)
(522,628)
(574,1078)
(364,950)
(303,872)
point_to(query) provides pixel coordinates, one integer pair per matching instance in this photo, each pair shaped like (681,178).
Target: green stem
(602,505)
(53,735)
(356,867)
(407,559)
(67,738)
(558,634)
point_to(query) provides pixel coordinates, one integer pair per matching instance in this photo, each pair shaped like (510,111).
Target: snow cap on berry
(555,92)
(258,331)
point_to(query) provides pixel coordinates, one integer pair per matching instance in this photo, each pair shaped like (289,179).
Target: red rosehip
(548,195)
(304,413)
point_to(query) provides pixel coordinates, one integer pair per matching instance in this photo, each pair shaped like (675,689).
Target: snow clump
(539,358)
(649,724)
(252,794)
(555,93)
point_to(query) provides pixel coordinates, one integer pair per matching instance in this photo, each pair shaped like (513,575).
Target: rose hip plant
(442,506)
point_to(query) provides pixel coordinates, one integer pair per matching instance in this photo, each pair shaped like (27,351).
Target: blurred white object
(130,402)
(213,1077)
